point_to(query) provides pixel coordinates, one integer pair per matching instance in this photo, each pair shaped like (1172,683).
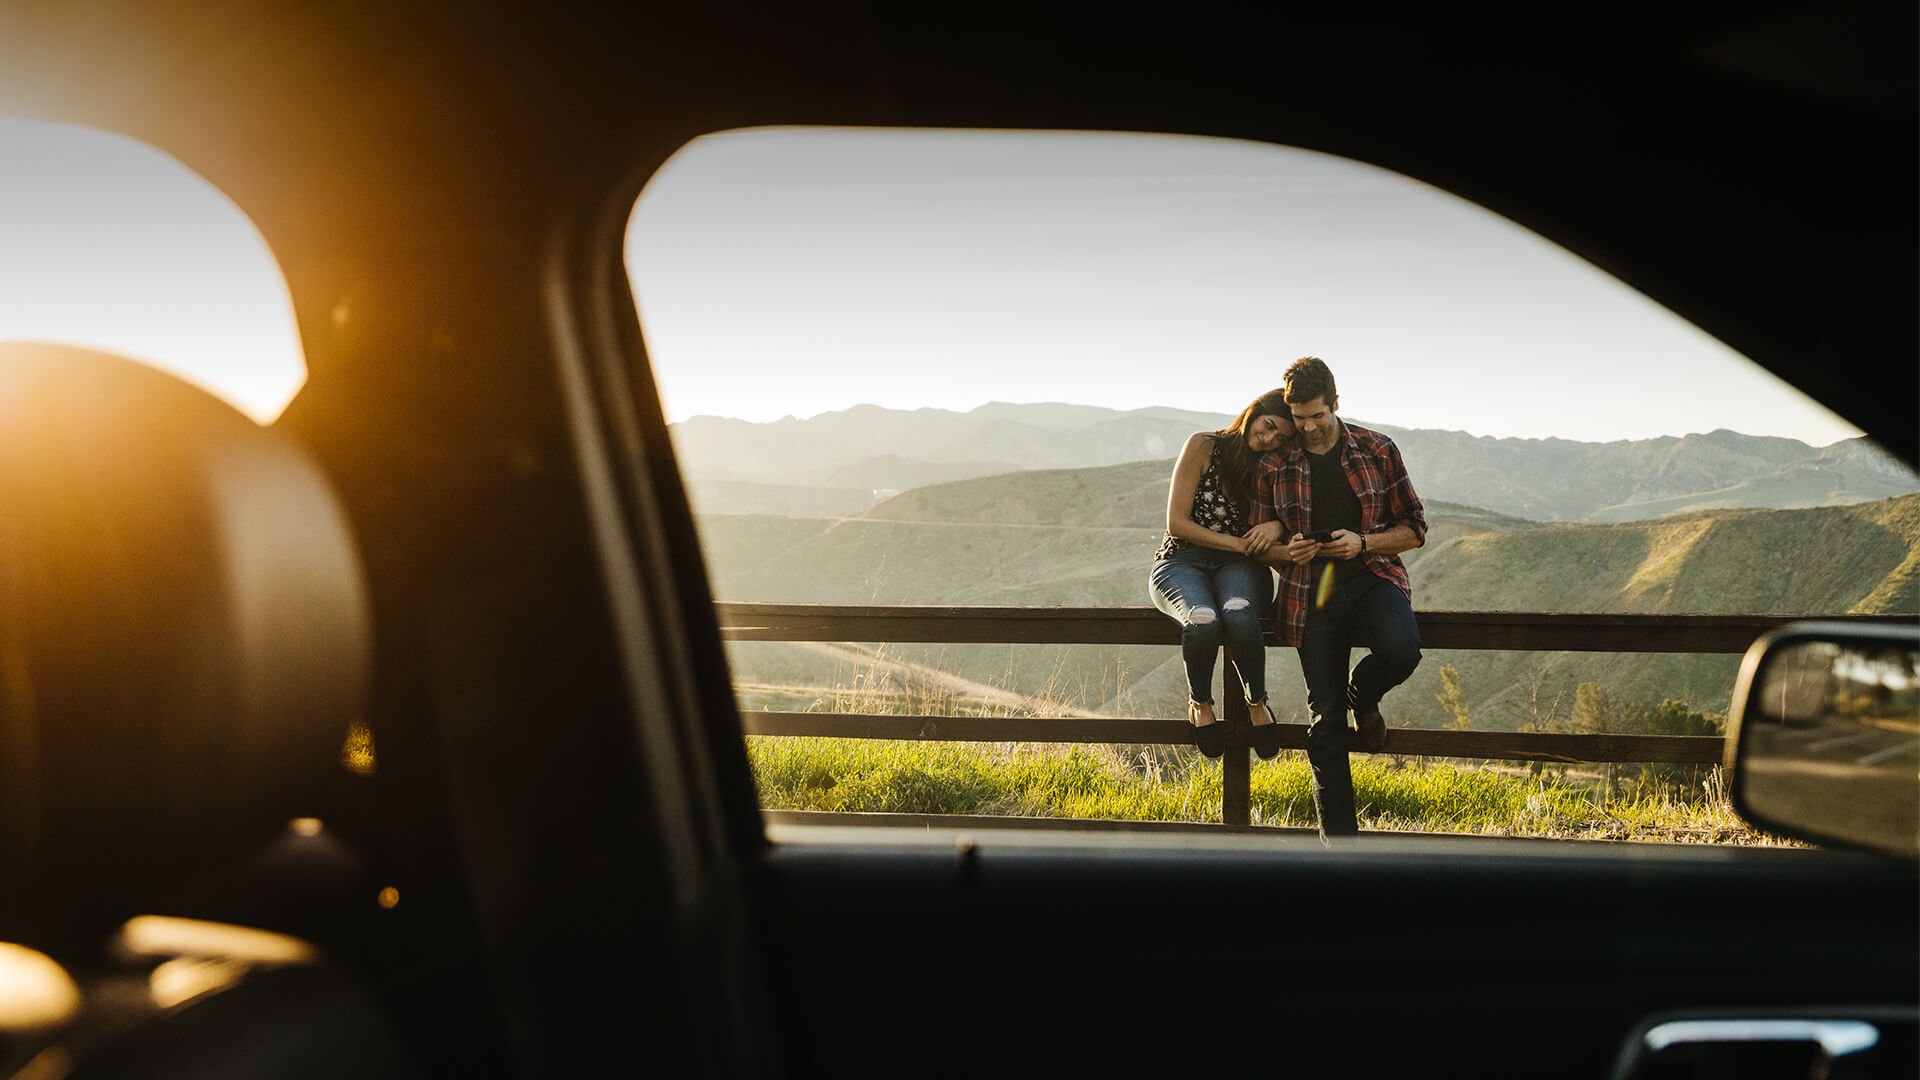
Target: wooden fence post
(1236,773)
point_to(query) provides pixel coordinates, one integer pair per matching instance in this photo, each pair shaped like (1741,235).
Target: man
(1346,484)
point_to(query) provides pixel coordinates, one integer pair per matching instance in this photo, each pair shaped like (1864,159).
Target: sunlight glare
(164,935)
(35,991)
(180,980)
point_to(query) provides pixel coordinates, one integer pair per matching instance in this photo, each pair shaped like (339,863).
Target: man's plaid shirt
(1283,492)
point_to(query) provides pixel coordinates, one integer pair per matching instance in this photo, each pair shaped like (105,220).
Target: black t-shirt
(1335,506)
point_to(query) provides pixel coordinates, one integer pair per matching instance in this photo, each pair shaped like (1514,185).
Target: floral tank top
(1211,508)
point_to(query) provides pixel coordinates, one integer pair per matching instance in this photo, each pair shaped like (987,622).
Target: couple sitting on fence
(1289,486)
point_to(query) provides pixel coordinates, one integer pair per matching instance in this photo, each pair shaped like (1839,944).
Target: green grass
(1154,784)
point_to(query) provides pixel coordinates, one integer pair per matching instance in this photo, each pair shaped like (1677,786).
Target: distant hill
(793,451)
(1132,495)
(1125,438)
(1826,560)
(1535,479)
(893,473)
(1560,480)
(1830,560)
(1847,472)
(725,496)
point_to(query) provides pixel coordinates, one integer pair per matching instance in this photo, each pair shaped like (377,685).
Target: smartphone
(1324,536)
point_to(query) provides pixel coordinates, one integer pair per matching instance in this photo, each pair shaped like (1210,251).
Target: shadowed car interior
(396,737)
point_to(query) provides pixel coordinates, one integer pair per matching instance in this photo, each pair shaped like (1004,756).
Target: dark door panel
(924,952)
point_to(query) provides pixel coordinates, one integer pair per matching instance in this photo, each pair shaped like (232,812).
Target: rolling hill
(1131,495)
(891,473)
(1829,560)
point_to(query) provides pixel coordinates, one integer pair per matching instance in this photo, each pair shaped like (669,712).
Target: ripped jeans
(1218,598)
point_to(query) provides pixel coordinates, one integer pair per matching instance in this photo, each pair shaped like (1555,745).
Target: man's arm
(1351,545)
(1394,540)
(1404,509)
(1408,517)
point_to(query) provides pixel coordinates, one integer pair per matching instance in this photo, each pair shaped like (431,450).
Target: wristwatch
(1363,543)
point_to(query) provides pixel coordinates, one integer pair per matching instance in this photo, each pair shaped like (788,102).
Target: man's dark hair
(1309,378)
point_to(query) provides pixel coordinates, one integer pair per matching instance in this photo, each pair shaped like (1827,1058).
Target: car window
(954,369)
(108,243)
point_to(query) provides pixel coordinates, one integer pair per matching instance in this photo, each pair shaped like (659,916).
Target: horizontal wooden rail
(1506,630)
(1416,742)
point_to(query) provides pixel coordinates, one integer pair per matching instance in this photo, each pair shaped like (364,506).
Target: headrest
(183,632)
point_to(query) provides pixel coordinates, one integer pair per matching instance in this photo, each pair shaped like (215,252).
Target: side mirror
(1823,739)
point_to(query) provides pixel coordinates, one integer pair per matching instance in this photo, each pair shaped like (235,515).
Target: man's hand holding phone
(1305,547)
(1341,544)
(1324,544)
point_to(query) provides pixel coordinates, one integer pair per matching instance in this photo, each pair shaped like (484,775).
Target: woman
(1207,574)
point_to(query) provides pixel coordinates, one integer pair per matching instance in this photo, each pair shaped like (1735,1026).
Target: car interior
(466,545)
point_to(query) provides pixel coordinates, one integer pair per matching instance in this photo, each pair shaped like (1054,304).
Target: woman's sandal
(1210,738)
(1266,737)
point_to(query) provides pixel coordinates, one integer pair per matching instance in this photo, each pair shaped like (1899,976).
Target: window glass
(955,368)
(111,244)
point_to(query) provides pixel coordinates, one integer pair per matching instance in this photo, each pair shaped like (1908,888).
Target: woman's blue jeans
(1217,597)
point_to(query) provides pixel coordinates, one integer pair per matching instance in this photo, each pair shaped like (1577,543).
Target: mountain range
(844,462)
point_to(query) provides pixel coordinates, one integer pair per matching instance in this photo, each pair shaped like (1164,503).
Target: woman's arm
(1186,477)
(1260,538)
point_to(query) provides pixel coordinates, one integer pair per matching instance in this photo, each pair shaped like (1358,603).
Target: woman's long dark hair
(1236,460)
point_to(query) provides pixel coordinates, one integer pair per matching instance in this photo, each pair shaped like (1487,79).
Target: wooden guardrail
(1503,630)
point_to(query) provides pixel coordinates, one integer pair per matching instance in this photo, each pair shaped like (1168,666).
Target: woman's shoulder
(1200,445)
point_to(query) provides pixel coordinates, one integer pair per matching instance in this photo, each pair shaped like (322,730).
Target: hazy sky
(109,243)
(786,271)
(798,271)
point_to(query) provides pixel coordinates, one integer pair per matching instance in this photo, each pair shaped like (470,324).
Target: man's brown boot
(1372,730)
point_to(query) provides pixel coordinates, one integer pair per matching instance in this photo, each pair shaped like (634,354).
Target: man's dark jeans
(1364,610)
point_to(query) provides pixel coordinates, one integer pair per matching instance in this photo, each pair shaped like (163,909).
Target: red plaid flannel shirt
(1283,492)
